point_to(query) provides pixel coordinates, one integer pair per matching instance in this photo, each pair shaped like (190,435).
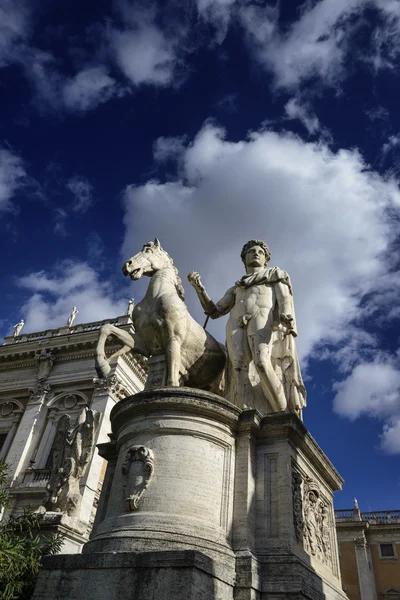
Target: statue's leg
(239,357)
(259,331)
(133,343)
(173,356)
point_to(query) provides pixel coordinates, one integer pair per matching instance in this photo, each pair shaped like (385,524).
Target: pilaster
(29,431)
(365,574)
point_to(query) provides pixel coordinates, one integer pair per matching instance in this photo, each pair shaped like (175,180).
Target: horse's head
(151,258)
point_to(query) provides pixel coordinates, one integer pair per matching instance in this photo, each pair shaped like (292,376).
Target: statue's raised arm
(210,308)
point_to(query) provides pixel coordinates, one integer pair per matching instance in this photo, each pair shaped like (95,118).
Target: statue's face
(255,257)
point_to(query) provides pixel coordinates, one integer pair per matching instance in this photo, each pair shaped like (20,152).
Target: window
(387,551)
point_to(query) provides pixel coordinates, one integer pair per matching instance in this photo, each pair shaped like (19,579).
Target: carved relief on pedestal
(312,517)
(137,469)
(298,518)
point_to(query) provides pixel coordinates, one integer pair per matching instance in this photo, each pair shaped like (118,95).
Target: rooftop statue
(18,327)
(131,306)
(163,326)
(263,368)
(72,316)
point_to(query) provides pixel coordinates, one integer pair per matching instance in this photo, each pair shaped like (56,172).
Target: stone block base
(182,575)
(280,578)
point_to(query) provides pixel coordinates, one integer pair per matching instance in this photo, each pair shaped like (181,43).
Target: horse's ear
(157,243)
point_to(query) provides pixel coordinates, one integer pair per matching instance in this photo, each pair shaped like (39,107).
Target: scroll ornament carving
(137,469)
(311,517)
(45,361)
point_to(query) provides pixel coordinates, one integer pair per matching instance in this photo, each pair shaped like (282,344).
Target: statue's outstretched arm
(210,308)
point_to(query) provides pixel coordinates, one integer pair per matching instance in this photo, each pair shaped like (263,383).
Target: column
(244,508)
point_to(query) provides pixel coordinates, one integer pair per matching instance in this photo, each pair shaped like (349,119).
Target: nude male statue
(261,329)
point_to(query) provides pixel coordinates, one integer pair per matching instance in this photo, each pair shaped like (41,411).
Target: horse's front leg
(173,356)
(133,343)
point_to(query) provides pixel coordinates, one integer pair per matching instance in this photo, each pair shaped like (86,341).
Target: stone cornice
(182,399)
(288,426)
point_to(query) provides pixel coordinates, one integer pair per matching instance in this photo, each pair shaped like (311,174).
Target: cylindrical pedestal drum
(173,475)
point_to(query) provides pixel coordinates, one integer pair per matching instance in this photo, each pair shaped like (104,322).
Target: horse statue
(163,326)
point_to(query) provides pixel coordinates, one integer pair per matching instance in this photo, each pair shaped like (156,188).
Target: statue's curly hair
(252,243)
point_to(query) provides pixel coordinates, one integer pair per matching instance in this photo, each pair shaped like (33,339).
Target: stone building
(43,376)
(369,549)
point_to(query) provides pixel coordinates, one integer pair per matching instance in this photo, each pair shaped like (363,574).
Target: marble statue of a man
(18,327)
(72,316)
(263,368)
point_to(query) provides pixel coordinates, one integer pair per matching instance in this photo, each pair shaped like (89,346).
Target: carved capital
(137,476)
(360,541)
(39,393)
(109,385)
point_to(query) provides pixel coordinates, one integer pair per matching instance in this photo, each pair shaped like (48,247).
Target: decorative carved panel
(312,518)
(137,469)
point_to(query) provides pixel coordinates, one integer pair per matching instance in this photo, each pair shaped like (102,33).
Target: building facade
(46,375)
(369,550)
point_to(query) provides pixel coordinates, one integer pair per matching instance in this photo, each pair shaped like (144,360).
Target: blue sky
(206,123)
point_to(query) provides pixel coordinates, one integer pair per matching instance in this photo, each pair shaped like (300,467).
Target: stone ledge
(129,560)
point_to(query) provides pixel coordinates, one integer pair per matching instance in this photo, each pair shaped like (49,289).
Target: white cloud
(218,13)
(87,89)
(82,191)
(168,148)
(390,438)
(321,212)
(144,55)
(320,44)
(373,389)
(295,110)
(70,284)
(15,28)
(314,45)
(12,175)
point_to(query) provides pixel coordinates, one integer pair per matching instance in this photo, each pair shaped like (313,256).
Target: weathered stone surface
(179,575)
(204,501)
(269,527)
(183,444)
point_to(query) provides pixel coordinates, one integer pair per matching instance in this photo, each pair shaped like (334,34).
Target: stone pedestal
(284,534)
(204,501)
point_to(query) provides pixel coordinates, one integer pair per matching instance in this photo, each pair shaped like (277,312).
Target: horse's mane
(179,287)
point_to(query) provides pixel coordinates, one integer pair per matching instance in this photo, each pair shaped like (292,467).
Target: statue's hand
(195,281)
(287,321)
